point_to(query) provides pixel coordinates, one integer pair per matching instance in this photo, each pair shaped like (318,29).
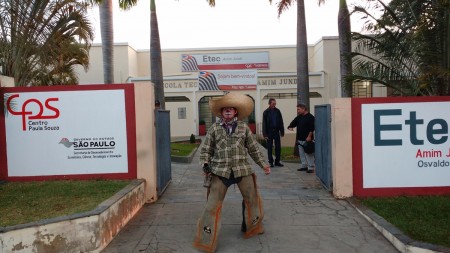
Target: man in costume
(224,157)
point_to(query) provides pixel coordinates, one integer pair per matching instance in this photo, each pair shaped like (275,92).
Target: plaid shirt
(228,152)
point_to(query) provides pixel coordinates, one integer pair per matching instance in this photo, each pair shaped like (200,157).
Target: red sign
(24,112)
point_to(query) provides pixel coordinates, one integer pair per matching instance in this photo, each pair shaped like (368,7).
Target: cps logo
(27,113)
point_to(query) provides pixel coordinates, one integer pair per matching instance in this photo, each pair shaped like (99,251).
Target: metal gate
(323,145)
(163,162)
(208,117)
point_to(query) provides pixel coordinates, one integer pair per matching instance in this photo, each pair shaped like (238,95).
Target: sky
(231,23)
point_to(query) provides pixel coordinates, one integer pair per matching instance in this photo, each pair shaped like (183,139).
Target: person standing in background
(273,128)
(304,122)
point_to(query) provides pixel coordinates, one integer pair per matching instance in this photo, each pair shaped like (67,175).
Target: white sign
(213,80)
(406,144)
(196,62)
(183,85)
(66,133)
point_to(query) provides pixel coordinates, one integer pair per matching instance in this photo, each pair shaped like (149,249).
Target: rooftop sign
(226,61)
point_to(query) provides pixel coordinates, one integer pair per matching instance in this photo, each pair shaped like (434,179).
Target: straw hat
(243,103)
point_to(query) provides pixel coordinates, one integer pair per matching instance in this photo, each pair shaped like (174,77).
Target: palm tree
(302,49)
(105,10)
(155,57)
(344,29)
(408,48)
(345,49)
(41,41)
(107,33)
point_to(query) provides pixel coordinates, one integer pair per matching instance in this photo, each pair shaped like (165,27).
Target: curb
(401,242)
(89,231)
(184,159)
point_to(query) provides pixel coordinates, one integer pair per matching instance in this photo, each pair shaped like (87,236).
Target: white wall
(6,81)
(323,68)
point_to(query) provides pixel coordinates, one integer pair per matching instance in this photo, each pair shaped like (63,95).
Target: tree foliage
(107,33)
(406,48)
(42,40)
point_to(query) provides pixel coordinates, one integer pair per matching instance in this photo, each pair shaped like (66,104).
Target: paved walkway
(300,216)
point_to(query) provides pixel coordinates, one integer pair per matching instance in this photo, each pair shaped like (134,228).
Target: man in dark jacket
(304,122)
(273,128)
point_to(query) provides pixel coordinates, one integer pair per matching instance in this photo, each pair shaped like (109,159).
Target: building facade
(189,106)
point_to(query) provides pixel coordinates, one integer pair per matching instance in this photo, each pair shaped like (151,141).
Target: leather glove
(206,168)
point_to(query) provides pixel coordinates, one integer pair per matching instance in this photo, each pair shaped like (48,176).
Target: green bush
(192,139)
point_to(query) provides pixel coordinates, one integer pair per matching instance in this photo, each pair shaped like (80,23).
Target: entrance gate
(205,113)
(163,161)
(323,144)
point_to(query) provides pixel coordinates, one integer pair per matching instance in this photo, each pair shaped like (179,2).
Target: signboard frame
(130,125)
(358,149)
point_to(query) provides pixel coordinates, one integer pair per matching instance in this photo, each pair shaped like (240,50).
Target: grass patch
(182,148)
(422,218)
(24,202)
(287,154)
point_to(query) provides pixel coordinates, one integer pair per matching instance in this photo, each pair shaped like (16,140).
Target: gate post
(341,144)
(145,138)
